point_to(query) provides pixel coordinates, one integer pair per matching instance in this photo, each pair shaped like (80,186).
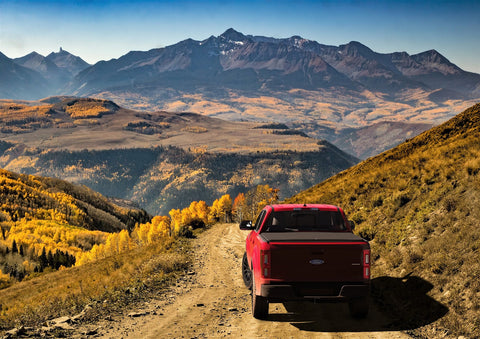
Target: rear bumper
(320,291)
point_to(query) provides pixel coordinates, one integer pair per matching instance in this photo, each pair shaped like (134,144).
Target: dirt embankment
(211,302)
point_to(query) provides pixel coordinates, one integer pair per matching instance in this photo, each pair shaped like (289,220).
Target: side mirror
(246,225)
(352,224)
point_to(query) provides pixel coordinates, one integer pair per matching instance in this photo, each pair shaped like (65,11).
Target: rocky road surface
(212,302)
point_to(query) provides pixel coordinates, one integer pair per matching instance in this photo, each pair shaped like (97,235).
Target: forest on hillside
(47,223)
(162,178)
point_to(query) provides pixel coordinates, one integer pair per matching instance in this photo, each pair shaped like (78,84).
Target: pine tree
(14,247)
(57,259)
(43,259)
(50,260)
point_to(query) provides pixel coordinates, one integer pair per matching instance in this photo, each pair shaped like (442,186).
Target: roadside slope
(418,205)
(211,301)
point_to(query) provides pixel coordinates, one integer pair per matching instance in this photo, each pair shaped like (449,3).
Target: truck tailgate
(316,257)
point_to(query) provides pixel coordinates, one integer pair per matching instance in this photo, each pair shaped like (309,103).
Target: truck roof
(291,207)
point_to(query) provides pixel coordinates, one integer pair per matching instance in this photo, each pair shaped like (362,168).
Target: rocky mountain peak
(37,62)
(67,61)
(233,36)
(431,56)
(355,48)
(34,55)
(298,41)
(436,62)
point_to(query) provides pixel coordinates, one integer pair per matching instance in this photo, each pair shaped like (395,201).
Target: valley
(159,160)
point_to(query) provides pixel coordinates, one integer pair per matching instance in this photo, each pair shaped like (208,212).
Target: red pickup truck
(305,252)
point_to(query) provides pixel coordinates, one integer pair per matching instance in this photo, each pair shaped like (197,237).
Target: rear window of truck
(305,221)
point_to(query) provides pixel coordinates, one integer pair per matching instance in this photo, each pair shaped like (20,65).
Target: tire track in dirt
(213,302)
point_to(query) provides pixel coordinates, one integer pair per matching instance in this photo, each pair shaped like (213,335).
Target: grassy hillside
(98,288)
(419,205)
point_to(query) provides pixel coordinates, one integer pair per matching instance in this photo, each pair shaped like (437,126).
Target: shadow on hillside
(397,304)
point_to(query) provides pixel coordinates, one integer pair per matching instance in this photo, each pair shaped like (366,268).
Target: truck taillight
(366,264)
(265,263)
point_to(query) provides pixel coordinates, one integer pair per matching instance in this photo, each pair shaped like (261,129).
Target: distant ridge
(274,62)
(18,82)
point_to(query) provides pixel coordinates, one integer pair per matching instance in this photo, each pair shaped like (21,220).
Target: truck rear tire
(259,304)
(246,272)
(358,307)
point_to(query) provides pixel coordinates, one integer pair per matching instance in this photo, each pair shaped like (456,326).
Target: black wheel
(246,272)
(358,307)
(259,304)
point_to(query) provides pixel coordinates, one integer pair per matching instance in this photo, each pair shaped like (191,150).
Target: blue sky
(102,30)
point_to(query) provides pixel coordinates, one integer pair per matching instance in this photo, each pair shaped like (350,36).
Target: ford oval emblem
(316,262)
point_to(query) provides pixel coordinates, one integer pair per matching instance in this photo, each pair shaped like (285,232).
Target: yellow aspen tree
(176,216)
(95,253)
(165,228)
(186,217)
(162,224)
(111,245)
(142,234)
(239,207)
(202,211)
(81,258)
(225,207)
(124,241)
(214,214)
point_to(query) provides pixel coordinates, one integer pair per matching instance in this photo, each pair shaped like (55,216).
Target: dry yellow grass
(111,282)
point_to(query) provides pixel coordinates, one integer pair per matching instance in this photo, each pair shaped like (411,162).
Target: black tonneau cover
(310,236)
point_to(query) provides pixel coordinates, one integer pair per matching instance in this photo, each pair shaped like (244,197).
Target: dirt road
(212,302)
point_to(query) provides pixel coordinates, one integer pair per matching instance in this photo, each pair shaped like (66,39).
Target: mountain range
(233,60)
(319,89)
